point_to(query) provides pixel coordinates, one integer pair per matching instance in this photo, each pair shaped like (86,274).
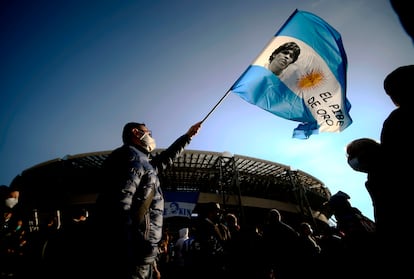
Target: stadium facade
(243,185)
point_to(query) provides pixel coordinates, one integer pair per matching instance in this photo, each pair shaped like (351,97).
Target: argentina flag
(301,75)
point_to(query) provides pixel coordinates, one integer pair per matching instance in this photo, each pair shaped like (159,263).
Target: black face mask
(358,165)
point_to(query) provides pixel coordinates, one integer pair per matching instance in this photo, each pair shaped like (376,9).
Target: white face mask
(148,142)
(11,202)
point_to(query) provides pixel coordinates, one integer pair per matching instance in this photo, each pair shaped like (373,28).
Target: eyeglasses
(149,132)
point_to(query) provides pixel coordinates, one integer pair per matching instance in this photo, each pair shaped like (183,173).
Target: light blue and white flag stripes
(312,90)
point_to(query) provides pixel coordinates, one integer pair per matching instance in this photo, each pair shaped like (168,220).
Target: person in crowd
(349,219)
(165,256)
(395,143)
(13,234)
(388,172)
(236,247)
(280,247)
(282,57)
(12,198)
(211,240)
(332,254)
(359,237)
(309,250)
(9,206)
(233,224)
(179,259)
(130,206)
(189,252)
(364,155)
(394,174)
(309,243)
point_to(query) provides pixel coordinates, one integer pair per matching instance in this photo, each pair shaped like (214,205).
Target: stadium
(243,185)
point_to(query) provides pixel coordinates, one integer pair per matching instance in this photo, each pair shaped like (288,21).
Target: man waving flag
(301,75)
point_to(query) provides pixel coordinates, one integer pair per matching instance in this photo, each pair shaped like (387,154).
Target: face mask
(356,165)
(148,142)
(11,202)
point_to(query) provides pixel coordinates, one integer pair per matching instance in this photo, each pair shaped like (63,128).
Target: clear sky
(72,73)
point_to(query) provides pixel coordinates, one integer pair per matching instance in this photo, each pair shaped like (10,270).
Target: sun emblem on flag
(311,79)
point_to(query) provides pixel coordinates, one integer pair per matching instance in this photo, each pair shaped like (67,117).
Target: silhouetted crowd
(214,245)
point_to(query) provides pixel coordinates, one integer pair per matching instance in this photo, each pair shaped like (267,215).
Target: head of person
(274,216)
(213,211)
(183,232)
(231,220)
(283,56)
(398,85)
(10,196)
(138,134)
(363,154)
(339,202)
(12,199)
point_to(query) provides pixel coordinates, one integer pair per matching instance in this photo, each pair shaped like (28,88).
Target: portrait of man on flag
(283,56)
(300,75)
(179,204)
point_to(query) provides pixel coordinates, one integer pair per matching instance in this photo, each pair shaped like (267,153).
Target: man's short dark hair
(287,46)
(127,131)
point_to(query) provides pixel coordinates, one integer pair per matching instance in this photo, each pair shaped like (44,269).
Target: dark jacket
(130,207)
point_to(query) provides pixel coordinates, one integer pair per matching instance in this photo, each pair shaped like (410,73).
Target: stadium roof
(61,179)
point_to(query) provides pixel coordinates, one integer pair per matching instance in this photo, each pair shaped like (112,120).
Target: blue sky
(74,72)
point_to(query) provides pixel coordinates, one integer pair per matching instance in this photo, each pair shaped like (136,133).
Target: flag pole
(218,103)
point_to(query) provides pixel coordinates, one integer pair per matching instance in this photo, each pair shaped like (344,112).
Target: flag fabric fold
(301,75)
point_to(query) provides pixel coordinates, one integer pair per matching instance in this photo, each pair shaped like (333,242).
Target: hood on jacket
(183,233)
